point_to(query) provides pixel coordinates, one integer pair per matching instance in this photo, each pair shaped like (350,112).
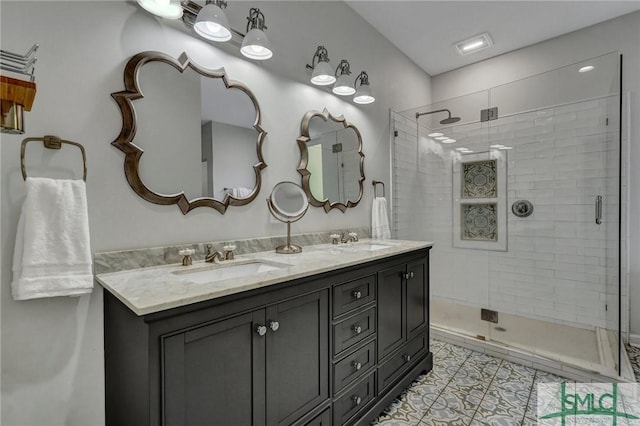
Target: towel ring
(52,142)
(376,182)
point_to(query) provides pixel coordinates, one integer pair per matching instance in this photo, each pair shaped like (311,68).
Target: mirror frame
(304,160)
(124,141)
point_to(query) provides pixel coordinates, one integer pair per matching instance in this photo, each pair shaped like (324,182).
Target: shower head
(448,120)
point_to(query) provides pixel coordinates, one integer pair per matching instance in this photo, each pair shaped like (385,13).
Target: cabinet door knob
(274,325)
(407,357)
(356,365)
(357,329)
(356,399)
(261,330)
(411,275)
(357,294)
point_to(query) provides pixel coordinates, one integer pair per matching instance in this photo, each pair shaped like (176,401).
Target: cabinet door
(417,292)
(214,375)
(297,357)
(392,330)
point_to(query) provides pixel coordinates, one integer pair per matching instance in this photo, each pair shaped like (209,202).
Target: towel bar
(52,142)
(376,182)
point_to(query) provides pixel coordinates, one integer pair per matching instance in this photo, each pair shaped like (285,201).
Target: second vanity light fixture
(210,22)
(323,75)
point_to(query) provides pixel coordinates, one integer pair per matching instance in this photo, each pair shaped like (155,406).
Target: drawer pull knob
(357,294)
(274,325)
(407,358)
(261,330)
(356,365)
(356,399)
(357,329)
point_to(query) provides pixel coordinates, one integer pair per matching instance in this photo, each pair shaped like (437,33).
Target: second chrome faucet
(211,255)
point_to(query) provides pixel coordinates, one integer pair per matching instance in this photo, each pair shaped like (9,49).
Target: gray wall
(52,350)
(620,34)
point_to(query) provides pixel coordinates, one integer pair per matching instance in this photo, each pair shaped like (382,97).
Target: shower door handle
(599,209)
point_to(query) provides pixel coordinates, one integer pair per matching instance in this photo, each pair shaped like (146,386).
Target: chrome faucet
(213,255)
(352,237)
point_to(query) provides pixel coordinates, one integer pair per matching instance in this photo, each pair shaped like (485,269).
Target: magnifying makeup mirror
(288,203)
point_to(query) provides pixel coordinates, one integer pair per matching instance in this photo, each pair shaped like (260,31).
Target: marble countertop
(155,289)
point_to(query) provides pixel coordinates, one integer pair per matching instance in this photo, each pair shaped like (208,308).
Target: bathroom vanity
(329,336)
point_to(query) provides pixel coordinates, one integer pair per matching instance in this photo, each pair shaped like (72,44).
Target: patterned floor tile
(469,388)
(401,412)
(495,420)
(502,403)
(444,417)
(464,404)
(634,357)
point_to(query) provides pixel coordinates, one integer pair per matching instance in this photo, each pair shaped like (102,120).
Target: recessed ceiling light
(434,135)
(441,138)
(586,68)
(449,140)
(474,44)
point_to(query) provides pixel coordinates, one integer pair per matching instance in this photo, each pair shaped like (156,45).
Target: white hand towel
(52,254)
(379,219)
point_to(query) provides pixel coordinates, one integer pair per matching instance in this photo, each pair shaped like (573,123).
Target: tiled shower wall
(559,264)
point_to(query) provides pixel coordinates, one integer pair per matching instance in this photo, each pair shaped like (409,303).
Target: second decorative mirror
(331,161)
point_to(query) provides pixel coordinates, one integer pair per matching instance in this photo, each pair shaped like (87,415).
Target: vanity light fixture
(163,8)
(211,22)
(256,44)
(474,44)
(343,86)
(363,94)
(322,72)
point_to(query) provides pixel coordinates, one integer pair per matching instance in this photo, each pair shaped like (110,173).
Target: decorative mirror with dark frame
(331,161)
(198,103)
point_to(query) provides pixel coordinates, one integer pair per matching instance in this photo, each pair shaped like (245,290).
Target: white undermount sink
(367,246)
(219,272)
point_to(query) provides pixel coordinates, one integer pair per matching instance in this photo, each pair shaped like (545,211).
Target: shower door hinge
(489,114)
(395,133)
(337,147)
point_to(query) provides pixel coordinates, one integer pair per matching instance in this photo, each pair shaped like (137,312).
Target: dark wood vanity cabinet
(329,349)
(220,371)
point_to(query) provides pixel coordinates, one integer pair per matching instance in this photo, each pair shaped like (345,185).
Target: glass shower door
(559,135)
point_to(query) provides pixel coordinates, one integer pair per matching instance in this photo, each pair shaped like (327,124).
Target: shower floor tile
(469,388)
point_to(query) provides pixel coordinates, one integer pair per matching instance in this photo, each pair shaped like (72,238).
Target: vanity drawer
(353,294)
(353,400)
(354,329)
(353,366)
(399,362)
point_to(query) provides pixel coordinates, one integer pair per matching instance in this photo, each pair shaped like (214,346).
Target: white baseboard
(634,340)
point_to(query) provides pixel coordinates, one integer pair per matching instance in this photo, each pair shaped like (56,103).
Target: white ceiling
(426,31)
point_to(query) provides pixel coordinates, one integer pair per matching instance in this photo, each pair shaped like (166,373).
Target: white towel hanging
(52,254)
(379,219)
